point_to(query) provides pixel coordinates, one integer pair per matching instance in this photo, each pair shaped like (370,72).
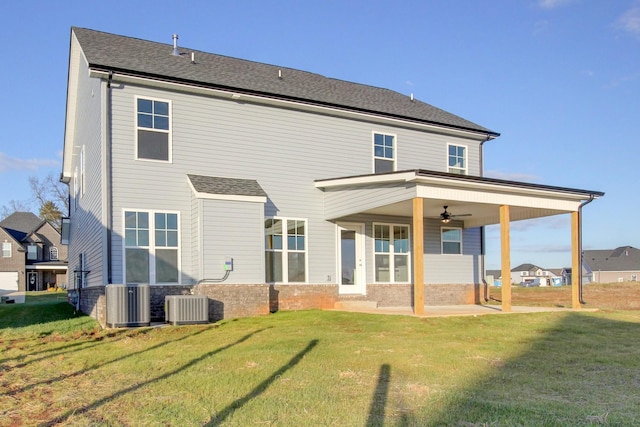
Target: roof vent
(175,45)
(280,74)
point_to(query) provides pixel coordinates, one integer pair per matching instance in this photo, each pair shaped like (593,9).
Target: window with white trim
(392,253)
(285,250)
(53,253)
(457,159)
(451,240)
(153,132)
(384,153)
(151,247)
(6,249)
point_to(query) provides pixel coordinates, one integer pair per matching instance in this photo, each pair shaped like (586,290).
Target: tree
(14,206)
(53,198)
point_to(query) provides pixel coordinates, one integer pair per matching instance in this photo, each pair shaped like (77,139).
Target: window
(32,252)
(151,247)
(457,159)
(392,253)
(634,277)
(6,250)
(53,253)
(153,130)
(451,240)
(285,250)
(383,153)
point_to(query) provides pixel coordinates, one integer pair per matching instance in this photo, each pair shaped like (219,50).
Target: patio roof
(477,198)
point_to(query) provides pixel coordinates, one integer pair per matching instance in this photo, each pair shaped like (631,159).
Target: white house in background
(269,188)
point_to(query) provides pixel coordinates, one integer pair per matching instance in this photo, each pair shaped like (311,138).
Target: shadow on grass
(583,370)
(379,398)
(36,311)
(221,416)
(77,411)
(100,365)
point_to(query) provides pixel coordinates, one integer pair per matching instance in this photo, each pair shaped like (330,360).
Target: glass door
(351,277)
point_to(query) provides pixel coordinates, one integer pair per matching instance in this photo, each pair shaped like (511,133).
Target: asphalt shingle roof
(226,186)
(21,224)
(128,55)
(623,258)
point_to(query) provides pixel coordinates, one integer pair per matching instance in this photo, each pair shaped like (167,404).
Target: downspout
(109,198)
(591,197)
(482,236)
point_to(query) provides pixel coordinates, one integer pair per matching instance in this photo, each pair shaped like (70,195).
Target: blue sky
(559,79)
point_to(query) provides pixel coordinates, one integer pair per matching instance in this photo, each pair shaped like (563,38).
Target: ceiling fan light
(445,220)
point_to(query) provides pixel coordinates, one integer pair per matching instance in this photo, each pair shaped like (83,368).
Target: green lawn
(321,369)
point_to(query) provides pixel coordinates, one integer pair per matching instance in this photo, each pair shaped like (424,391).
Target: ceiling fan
(447,216)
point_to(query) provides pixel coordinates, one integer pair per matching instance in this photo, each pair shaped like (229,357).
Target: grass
(322,369)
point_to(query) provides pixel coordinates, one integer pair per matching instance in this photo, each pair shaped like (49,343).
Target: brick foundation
(451,294)
(302,297)
(232,301)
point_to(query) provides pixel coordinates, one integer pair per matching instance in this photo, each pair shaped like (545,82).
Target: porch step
(355,305)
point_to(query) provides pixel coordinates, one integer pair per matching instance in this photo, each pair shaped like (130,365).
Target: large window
(383,153)
(286,250)
(392,253)
(151,247)
(6,249)
(153,130)
(451,240)
(457,159)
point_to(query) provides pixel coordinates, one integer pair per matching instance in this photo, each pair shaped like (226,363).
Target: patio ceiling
(478,198)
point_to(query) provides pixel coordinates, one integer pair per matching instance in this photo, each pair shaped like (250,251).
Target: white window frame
(391,254)
(151,248)
(7,250)
(393,160)
(76,191)
(442,240)
(53,253)
(461,171)
(285,248)
(169,131)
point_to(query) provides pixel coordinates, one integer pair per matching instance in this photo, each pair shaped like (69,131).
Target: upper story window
(457,159)
(392,253)
(53,253)
(6,249)
(286,250)
(384,153)
(153,130)
(151,245)
(32,252)
(451,240)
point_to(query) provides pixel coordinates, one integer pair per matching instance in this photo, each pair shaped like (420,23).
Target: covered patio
(420,194)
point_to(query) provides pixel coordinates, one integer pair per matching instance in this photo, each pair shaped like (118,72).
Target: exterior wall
(302,297)
(87,230)
(15,262)
(451,294)
(284,150)
(232,229)
(228,301)
(91,301)
(615,276)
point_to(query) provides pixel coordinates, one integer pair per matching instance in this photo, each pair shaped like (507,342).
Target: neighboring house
(614,265)
(268,188)
(532,273)
(33,258)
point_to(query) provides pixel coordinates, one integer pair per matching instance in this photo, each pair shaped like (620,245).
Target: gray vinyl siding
(364,198)
(447,268)
(284,150)
(87,233)
(233,229)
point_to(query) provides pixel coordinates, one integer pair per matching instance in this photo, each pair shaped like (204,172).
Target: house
(530,273)
(621,264)
(33,259)
(268,188)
